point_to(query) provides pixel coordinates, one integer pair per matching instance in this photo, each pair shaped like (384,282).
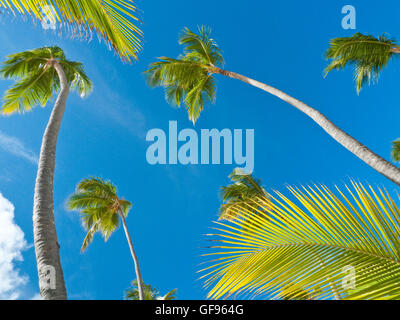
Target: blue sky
(280,43)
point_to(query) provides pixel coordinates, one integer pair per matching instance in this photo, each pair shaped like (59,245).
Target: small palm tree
(39,75)
(190,80)
(102,210)
(110,19)
(368,54)
(244,191)
(150,293)
(301,247)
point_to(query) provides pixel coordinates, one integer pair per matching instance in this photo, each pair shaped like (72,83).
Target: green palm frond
(36,80)
(188,79)
(396,150)
(150,293)
(112,20)
(368,54)
(244,192)
(304,244)
(100,207)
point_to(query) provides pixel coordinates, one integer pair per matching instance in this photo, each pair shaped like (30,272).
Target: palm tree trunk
(51,278)
(134,257)
(369,157)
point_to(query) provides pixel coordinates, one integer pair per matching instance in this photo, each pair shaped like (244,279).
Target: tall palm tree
(111,20)
(150,293)
(189,79)
(306,242)
(39,74)
(244,191)
(102,210)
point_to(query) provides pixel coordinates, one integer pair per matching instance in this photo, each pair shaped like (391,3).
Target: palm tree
(111,20)
(244,191)
(102,210)
(368,55)
(39,75)
(189,79)
(307,247)
(150,293)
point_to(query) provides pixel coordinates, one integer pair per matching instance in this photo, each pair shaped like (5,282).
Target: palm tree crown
(306,244)
(368,54)
(150,293)
(100,206)
(37,80)
(189,78)
(244,192)
(112,20)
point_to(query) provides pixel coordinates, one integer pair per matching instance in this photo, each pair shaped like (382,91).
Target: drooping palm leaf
(150,293)
(112,20)
(302,245)
(368,54)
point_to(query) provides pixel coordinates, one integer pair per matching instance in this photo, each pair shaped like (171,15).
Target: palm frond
(300,245)
(150,293)
(396,150)
(112,20)
(368,54)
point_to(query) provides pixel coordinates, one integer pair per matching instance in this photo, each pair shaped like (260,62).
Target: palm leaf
(112,20)
(302,245)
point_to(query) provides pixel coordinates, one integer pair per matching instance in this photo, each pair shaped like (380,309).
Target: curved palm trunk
(369,157)
(134,257)
(51,278)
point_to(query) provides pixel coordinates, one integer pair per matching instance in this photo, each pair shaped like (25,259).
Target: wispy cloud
(16,147)
(12,243)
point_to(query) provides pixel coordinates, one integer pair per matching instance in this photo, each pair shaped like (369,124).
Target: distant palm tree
(302,248)
(244,191)
(39,75)
(189,79)
(102,210)
(110,19)
(150,293)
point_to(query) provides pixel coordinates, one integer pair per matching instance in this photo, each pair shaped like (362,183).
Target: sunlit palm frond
(100,207)
(36,80)
(368,54)
(188,79)
(305,244)
(112,20)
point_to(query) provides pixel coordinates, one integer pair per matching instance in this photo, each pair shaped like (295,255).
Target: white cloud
(15,146)
(12,243)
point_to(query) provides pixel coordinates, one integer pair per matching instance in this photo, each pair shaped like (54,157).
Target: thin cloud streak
(16,147)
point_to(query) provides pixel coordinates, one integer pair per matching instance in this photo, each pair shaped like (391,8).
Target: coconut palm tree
(307,242)
(39,74)
(190,80)
(150,293)
(102,211)
(244,191)
(368,55)
(111,20)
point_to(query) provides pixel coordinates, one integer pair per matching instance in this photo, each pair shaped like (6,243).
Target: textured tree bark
(134,257)
(375,161)
(51,278)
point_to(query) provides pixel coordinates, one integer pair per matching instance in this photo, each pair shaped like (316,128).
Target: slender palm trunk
(134,257)
(51,278)
(369,157)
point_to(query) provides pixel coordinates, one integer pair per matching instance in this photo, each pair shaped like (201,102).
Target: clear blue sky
(278,42)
